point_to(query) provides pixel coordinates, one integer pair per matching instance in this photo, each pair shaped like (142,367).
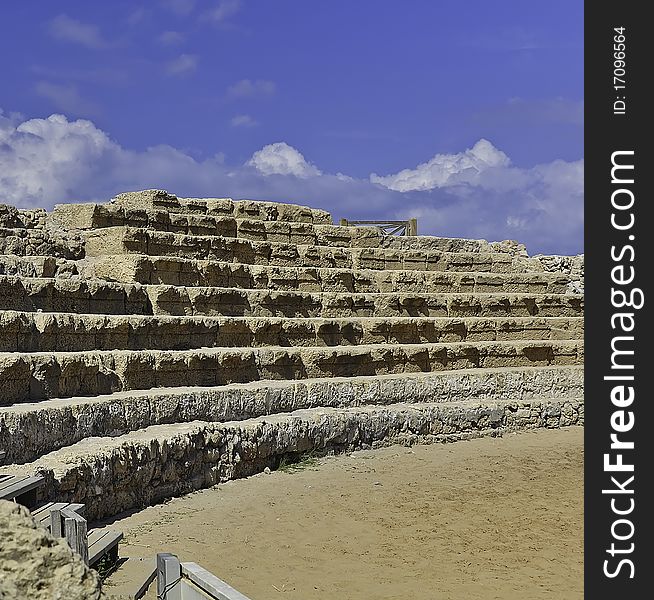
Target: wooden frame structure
(408,227)
(185,581)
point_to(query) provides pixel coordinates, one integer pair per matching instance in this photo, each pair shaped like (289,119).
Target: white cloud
(243,121)
(67,29)
(183,64)
(246,88)
(170,38)
(43,161)
(138,15)
(65,97)
(224,10)
(282,159)
(446,169)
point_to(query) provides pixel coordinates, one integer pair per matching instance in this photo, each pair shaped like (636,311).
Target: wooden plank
(168,577)
(75,531)
(45,517)
(102,542)
(43,514)
(150,576)
(38,512)
(209,583)
(24,485)
(11,480)
(96,535)
(56,523)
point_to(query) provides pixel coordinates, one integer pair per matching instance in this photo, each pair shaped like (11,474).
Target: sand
(481,519)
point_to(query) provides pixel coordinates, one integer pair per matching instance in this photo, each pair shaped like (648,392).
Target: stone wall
(169,460)
(47,426)
(571,266)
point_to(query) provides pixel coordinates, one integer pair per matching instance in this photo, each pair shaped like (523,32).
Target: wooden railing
(69,524)
(185,581)
(408,227)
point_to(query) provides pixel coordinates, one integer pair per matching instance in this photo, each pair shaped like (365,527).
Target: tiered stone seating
(155,345)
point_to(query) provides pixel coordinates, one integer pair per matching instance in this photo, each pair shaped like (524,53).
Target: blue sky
(468,115)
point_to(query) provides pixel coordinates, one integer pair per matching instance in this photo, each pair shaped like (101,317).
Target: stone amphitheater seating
(155,345)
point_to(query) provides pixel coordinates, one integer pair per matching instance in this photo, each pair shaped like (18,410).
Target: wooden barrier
(67,523)
(188,581)
(408,227)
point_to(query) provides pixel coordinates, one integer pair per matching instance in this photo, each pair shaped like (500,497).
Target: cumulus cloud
(182,65)
(446,169)
(224,10)
(246,88)
(282,159)
(44,161)
(243,121)
(67,29)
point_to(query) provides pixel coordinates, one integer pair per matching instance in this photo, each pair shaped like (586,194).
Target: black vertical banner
(619,187)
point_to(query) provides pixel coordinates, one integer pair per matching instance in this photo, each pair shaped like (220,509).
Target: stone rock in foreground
(36,566)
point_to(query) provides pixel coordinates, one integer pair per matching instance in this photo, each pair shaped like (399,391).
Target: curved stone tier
(155,345)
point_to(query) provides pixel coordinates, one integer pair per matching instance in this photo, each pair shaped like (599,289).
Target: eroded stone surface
(31,430)
(113,475)
(154,345)
(37,566)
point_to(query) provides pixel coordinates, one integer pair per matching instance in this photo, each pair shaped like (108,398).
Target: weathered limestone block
(40,241)
(241,209)
(31,430)
(40,376)
(21,218)
(28,266)
(37,566)
(126,240)
(67,332)
(571,266)
(426,242)
(115,474)
(210,273)
(73,295)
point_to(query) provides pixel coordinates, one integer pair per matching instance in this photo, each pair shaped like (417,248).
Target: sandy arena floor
(489,518)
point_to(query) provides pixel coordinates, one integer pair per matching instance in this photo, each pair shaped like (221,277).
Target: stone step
(28,431)
(172,300)
(127,240)
(30,266)
(84,216)
(73,295)
(40,242)
(112,475)
(66,332)
(101,297)
(168,270)
(208,273)
(38,376)
(98,216)
(22,218)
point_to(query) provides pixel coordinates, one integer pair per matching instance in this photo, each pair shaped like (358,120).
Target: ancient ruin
(155,345)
